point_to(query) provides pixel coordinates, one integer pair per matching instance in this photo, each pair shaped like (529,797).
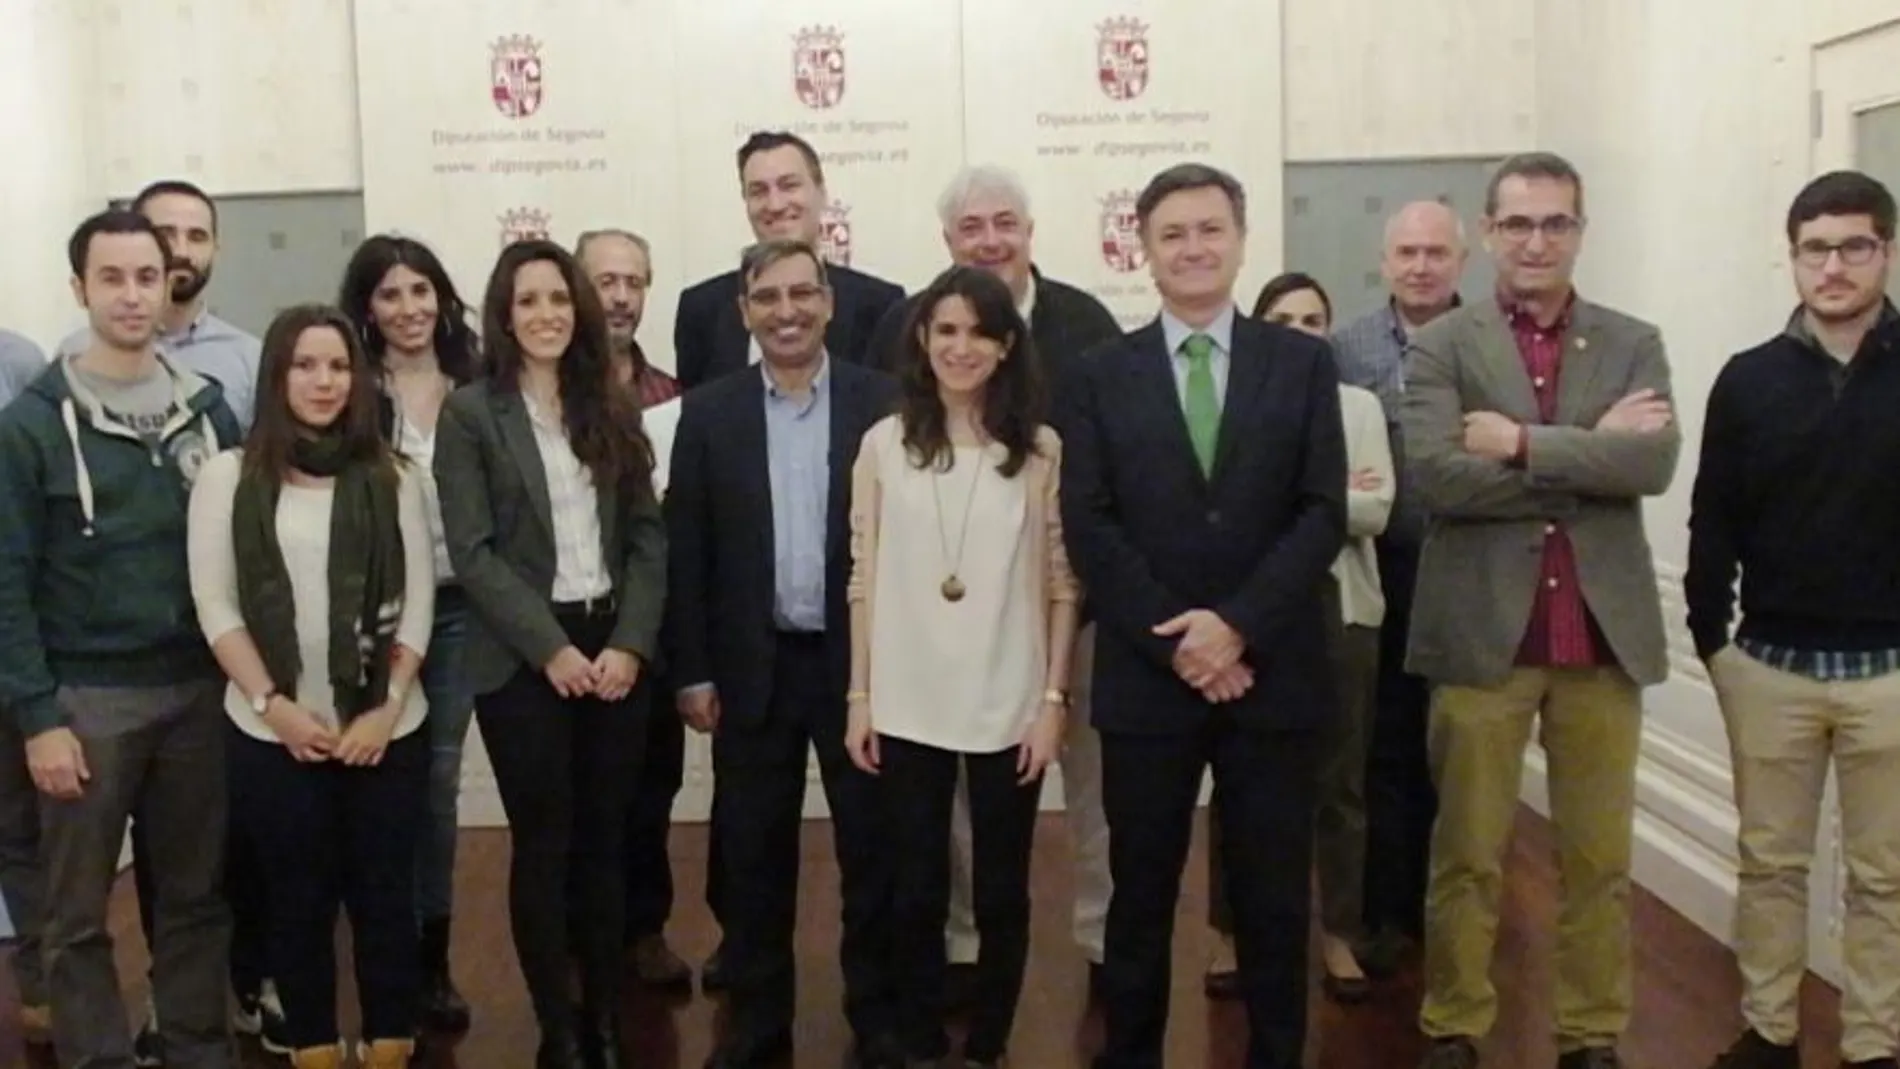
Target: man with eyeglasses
(1794,493)
(1534,425)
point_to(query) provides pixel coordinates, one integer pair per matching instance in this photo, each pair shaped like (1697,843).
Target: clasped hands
(609,677)
(1207,657)
(1495,437)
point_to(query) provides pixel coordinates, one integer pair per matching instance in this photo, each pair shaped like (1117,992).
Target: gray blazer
(1481,561)
(499,525)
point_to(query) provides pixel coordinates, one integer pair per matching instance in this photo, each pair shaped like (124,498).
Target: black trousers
(650,819)
(761,771)
(1401,803)
(329,835)
(1150,784)
(919,788)
(566,770)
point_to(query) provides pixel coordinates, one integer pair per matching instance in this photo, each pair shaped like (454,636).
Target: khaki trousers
(1589,721)
(1784,730)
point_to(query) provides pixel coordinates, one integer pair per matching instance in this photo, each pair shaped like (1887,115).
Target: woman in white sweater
(963,613)
(312,573)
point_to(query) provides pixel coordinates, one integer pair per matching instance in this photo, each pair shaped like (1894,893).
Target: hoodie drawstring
(69,414)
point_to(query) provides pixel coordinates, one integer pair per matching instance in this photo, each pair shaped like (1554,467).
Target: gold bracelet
(1059,697)
(857,696)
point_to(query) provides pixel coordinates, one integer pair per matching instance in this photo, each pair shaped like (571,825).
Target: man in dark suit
(757,509)
(987,223)
(1204,502)
(783,184)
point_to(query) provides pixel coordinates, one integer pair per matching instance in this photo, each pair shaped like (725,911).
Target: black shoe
(773,1050)
(1452,1052)
(1346,990)
(603,1047)
(148,1047)
(959,986)
(878,1052)
(443,1007)
(1751,1051)
(1873,1063)
(1590,1058)
(712,975)
(560,1049)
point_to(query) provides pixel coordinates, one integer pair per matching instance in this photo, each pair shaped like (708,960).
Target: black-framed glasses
(1553,227)
(1857,251)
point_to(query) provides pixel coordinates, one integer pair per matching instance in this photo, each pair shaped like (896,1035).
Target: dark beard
(186,289)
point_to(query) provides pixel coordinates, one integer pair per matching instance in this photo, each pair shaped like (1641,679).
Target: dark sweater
(1798,490)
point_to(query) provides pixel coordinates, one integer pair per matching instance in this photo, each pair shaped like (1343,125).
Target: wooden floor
(1685,982)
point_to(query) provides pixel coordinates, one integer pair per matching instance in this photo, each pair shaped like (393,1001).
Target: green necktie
(1201,405)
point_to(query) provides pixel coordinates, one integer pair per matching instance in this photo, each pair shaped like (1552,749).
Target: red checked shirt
(1561,633)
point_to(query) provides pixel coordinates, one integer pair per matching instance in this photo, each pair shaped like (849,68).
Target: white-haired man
(987,224)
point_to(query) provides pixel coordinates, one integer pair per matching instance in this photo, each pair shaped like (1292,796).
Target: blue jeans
(445,684)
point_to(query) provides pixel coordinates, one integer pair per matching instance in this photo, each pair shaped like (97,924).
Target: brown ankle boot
(330,1057)
(386,1053)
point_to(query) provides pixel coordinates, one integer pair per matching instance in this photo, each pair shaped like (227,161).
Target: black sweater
(1799,490)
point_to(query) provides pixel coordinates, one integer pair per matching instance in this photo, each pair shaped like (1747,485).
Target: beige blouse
(968,675)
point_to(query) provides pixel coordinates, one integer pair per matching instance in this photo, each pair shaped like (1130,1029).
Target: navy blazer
(710,339)
(1150,536)
(721,564)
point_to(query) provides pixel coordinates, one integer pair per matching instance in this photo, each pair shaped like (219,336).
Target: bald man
(1422,263)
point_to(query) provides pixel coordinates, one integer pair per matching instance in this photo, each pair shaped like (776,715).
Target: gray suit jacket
(499,526)
(1481,561)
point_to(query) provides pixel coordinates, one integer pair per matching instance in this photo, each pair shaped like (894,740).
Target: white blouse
(418,446)
(303,532)
(969,675)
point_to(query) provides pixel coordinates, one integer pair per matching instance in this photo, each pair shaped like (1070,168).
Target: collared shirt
(1027,306)
(1560,633)
(1370,351)
(580,565)
(798,458)
(212,348)
(1221,331)
(20,363)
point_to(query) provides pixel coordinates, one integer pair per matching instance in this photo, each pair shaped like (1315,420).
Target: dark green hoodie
(94,587)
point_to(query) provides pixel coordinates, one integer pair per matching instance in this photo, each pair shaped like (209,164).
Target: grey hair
(580,243)
(757,258)
(972,182)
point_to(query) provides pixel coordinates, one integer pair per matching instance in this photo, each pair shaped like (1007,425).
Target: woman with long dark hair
(554,530)
(963,615)
(416,335)
(311,574)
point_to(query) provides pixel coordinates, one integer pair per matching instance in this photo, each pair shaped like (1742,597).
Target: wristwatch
(260,704)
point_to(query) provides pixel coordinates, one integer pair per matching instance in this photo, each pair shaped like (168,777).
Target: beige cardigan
(1043,470)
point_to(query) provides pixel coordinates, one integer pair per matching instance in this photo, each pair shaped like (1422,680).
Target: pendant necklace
(952,587)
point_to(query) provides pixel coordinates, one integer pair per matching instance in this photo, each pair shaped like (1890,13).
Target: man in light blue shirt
(20,361)
(190,336)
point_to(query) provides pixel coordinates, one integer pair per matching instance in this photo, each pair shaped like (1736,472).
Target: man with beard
(1794,493)
(759,648)
(987,223)
(619,263)
(783,184)
(190,337)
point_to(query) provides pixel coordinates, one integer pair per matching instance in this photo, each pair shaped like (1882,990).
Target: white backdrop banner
(873,85)
(1087,99)
(486,121)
